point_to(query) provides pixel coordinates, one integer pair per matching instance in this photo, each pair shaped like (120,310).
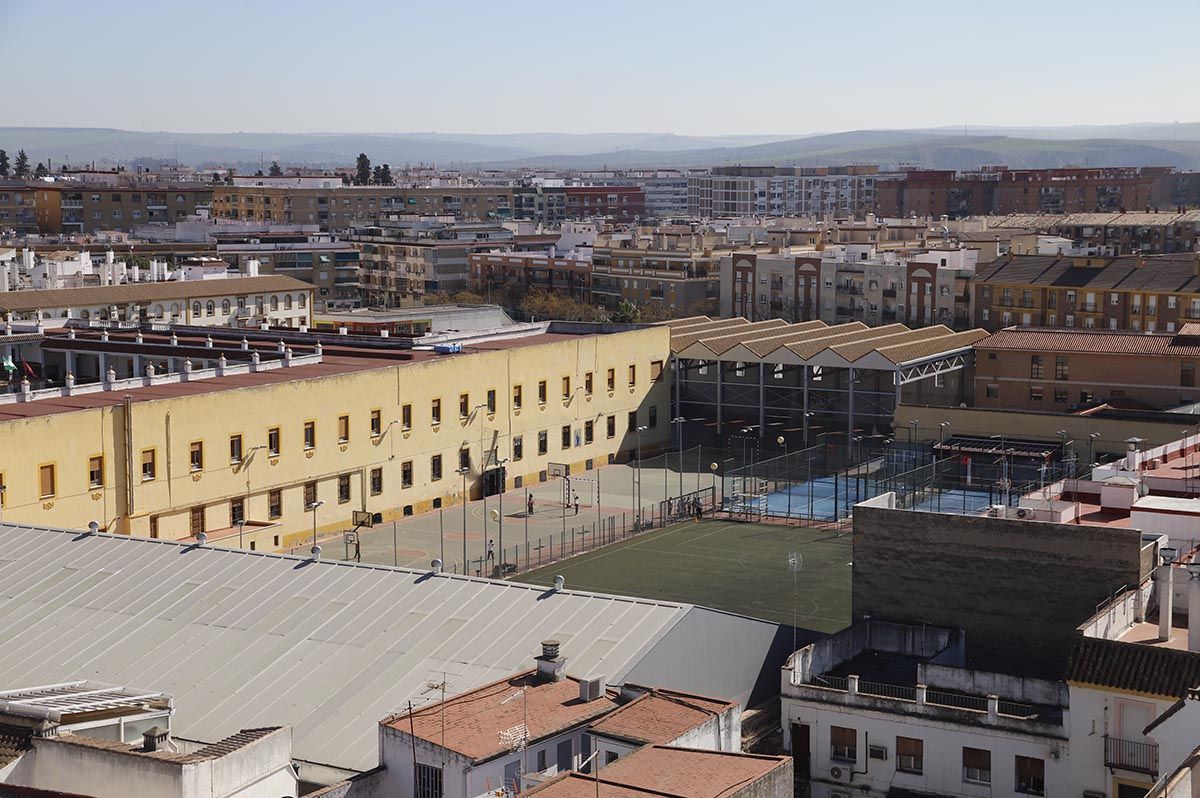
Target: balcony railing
(1131,755)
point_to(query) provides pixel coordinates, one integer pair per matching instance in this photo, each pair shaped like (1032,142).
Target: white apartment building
(782,191)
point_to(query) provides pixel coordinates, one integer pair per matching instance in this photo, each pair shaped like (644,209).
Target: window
(631,424)
(843,744)
(343,429)
(95,473)
(464,458)
(1062,369)
(542,392)
(977,765)
(566,436)
(1037,369)
(1031,775)
(491,401)
(310,434)
(653,422)
(910,755)
(310,494)
(612,379)
(429,781)
(154,526)
(656,367)
(47,481)
(632,374)
(235,448)
(1035,393)
(149,468)
(406,417)
(589,433)
(543,442)
(566,387)
(273,441)
(196,455)
(377,478)
(516,397)
(274,504)
(237,511)
(224,307)
(210,309)
(435,467)
(610,426)
(992,391)
(343,488)
(518,448)
(435,412)
(587,382)
(376,423)
(196,521)
(406,474)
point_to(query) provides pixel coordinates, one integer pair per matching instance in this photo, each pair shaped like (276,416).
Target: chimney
(550,665)
(1166,586)
(156,739)
(1193,606)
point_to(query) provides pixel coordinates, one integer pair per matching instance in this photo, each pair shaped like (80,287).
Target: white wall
(1096,713)
(943,744)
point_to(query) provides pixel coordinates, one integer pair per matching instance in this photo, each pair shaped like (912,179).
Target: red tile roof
(471,724)
(1133,667)
(660,716)
(689,772)
(1104,342)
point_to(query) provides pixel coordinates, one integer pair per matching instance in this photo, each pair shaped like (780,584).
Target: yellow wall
(170,425)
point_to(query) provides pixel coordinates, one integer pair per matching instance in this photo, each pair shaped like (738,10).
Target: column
(805,370)
(762,399)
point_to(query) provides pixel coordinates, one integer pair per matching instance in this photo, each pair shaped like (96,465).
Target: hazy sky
(697,67)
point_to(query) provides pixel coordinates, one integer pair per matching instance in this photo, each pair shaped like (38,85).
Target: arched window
(158,311)
(225,307)
(287,301)
(303,300)
(174,308)
(210,309)
(195,308)
(85,315)
(274,303)
(104,314)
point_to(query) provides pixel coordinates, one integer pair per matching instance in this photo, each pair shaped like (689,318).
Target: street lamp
(500,521)
(713,468)
(638,493)
(680,421)
(1092,436)
(463,471)
(942,427)
(313,507)
(782,441)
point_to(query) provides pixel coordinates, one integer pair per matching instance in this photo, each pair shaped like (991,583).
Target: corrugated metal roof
(244,639)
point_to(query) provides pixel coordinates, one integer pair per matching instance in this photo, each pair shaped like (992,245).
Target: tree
(276,171)
(363,165)
(385,176)
(41,170)
(627,313)
(377,176)
(3,163)
(22,164)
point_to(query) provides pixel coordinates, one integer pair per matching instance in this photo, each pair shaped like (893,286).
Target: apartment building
(853,282)
(276,300)
(236,433)
(1065,370)
(569,274)
(1000,190)
(338,207)
(1138,293)
(735,191)
(87,209)
(620,203)
(407,258)
(20,211)
(1130,233)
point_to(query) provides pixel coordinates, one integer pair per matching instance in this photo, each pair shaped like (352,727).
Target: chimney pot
(155,739)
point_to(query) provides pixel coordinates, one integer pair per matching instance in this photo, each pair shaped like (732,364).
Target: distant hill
(1155,144)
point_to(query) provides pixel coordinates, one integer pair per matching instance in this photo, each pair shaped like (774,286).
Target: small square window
(376,423)
(406,474)
(343,429)
(310,434)
(435,411)
(95,473)
(406,417)
(273,441)
(435,467)
(47,481)
(274,504)
(235,448)
(343,488)
(149,465)
(196,456)
(377,479)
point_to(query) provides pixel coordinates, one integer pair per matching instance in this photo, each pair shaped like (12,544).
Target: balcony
(850,288)
(1131,755)
(889,293)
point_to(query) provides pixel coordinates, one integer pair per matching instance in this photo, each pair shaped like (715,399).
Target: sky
(696,67)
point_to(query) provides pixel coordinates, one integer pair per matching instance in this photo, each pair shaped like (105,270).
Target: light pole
(1004,466)
(314,507)
(500,520)
(483,485)
(1092,436)
(942,427)
(713,468)
(241,525)
(680,421)
(637,515)
(782,441)
(462,472)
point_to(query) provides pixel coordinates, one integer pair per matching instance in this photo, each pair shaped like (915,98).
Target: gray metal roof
(244,639)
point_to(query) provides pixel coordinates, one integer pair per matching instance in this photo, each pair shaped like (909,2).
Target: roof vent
(93,527)
(316,553)
(550,665)
(436,566)
(559,583)
(201,539)
(155,739)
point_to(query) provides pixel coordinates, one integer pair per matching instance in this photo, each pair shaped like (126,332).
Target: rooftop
(1174,273)
(1102,342)
(59,702)
(1151,670)
(244,638)
(472,723)
(690,772)
(29,301)
(660,716)
(217,750)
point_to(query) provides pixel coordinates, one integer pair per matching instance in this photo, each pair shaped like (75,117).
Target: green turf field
(740,568)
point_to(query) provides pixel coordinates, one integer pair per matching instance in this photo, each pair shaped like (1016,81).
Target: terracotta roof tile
(471,723)
(1153,670)
(690,772)
(660,716)
(1106,342)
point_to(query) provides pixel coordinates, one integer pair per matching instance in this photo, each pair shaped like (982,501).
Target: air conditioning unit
(877,752)
(1022,512)
(591,689)
(836,773)
(996,511)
